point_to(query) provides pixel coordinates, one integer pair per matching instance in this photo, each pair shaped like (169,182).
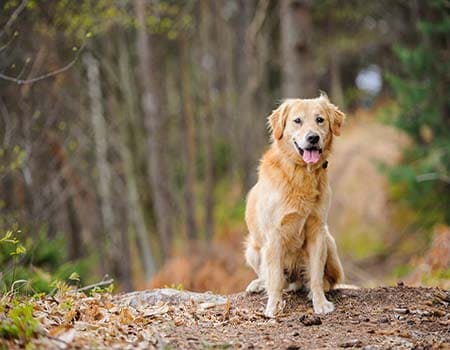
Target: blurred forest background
(130,132)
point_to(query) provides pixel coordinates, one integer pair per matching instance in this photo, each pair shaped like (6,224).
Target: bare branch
(44,76)
(54,338)
(257,23)
(99,284)
(432,176)
(4,47)
(14,16)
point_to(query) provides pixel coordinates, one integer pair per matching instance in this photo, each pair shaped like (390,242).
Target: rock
(402,311)
(310,320)
(353,343)
(170,296)
(293,347)
(383,320)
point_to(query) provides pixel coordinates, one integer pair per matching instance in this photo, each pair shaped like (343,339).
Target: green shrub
(39,262)
(19,322)
(422,180)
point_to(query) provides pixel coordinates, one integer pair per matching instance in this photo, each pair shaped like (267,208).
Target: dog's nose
(312,138)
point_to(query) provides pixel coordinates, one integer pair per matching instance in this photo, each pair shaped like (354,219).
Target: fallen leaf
(125,316)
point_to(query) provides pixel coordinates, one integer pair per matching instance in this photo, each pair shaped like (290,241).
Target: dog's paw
(255,286)
(274,307)
(323,307)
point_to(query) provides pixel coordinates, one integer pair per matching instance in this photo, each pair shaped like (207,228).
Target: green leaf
(75,276)
(20,249)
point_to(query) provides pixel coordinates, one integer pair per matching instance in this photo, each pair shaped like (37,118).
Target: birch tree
(104,177)
(150,69)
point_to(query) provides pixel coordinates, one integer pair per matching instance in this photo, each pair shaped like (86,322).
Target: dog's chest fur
(301,196)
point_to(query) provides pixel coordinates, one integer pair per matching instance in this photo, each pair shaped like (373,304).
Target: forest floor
(381,318)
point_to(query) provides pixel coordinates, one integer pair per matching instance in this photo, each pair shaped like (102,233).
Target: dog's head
(305,128)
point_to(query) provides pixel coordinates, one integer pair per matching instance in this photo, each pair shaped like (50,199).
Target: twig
(432,176)
(54,338)
(8,43)
(13,286)
(14,16)
(44,76)
(99,284)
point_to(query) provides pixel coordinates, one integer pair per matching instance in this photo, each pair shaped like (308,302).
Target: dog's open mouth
(310,155)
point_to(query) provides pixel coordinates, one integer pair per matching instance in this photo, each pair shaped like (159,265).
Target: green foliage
(178,286)
(402,271)
(361,241)
(230,206)
(19,322)
(99,290)
(11,159)
(422,181)
(37,262)
(433,278)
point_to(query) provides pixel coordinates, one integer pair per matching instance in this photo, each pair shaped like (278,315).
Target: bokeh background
(130,133)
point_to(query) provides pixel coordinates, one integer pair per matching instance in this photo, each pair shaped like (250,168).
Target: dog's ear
(277,120)
(336,116)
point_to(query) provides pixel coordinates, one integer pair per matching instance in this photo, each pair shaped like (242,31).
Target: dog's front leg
(273,277)
(317,250)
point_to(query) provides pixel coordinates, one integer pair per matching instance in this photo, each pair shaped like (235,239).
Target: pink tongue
(311,156)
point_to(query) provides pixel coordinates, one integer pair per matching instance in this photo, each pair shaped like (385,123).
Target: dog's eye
(298,121)
(319,120)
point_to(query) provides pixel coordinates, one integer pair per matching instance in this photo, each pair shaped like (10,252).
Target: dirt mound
(382,318)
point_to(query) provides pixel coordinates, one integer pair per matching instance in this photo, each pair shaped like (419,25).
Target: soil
(382,318)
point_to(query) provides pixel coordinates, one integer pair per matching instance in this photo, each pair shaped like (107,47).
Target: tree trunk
(135,212)
(337,93)
(298,71)
(189,141)
(207,62)
(103,168)
(135,206)
(252,68)
(150,69)
(244,95)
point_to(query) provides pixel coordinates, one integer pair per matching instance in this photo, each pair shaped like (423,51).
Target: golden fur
(287,209)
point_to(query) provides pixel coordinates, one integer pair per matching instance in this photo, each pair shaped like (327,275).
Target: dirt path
(382,318)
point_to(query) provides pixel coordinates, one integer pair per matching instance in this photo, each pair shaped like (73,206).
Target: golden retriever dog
(286,213)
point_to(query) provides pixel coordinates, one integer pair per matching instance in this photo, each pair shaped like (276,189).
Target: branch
(45,334)
(9,42)
(433,176)
(256,23)
(14,16)
(99,284)
(44,76)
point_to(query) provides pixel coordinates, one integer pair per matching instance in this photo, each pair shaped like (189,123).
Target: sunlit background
(130,133)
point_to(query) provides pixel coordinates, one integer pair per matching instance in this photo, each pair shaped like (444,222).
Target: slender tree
(104,178)
(189,140)
(150,70)
(207,63)
(127,116)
